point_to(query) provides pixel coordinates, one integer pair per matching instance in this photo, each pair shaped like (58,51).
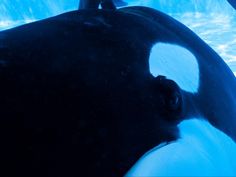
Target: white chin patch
(202,150)
(176,63)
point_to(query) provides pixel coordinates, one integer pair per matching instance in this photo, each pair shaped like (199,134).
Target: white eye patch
(176,63)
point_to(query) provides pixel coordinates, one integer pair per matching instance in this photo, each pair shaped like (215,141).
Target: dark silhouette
(77,97)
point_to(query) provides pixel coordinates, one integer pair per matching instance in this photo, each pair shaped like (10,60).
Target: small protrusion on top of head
(94,4)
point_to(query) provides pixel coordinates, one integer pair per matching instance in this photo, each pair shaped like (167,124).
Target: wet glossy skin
(77,97)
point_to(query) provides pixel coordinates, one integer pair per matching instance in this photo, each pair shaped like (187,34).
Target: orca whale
(79,98)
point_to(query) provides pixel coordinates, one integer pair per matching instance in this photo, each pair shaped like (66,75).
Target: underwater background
(213,20)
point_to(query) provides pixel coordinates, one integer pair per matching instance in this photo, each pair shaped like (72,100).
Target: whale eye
(176,63)
(174,102)
(170,97)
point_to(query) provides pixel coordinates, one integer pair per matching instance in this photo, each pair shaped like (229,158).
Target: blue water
(213,20)
(218,30)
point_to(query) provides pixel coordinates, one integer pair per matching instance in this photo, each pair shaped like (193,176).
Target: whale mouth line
(176,63)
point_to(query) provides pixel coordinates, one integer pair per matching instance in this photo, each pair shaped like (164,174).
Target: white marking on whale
(176,63)
(202,150)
